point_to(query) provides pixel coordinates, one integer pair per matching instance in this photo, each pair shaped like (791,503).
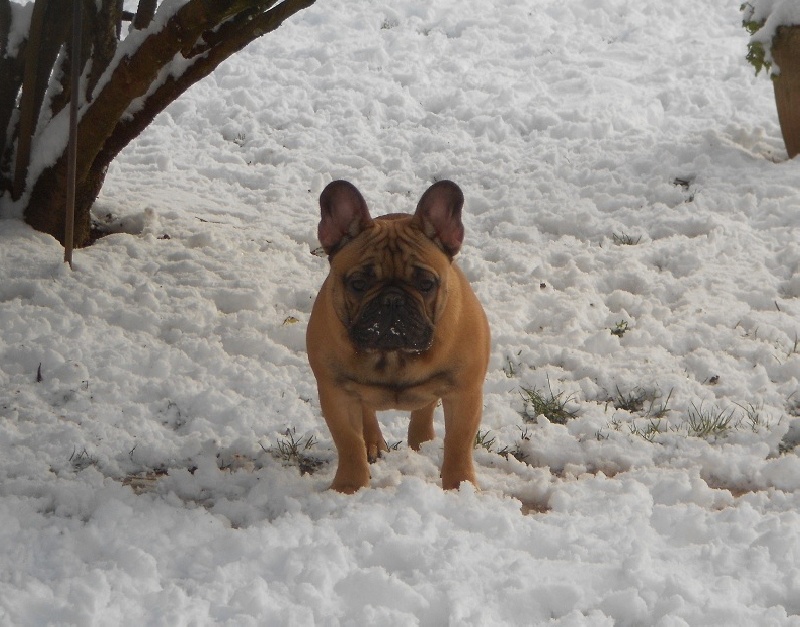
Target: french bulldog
(396,325)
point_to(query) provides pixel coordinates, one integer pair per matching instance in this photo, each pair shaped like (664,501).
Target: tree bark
(11,80)
(786,52)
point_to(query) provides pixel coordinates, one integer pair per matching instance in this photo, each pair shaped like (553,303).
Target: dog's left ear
(439,215)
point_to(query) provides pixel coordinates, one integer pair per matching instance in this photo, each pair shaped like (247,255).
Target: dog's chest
(397,380)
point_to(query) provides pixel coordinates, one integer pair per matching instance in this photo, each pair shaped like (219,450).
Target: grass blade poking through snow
(702,423)
(294,451)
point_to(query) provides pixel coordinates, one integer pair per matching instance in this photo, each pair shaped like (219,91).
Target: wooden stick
(72,149)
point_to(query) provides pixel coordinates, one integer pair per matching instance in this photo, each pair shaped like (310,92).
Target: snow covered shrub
(129,75)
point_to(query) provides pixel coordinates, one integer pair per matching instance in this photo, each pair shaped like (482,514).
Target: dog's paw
(454,474)
(376,449)
(346,486)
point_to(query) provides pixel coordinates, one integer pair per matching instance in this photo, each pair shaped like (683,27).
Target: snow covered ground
(633,230)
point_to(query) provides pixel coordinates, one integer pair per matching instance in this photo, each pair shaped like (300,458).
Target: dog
(396,325)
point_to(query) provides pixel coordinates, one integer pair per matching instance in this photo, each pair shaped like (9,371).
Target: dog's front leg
(462,417)
(343,413)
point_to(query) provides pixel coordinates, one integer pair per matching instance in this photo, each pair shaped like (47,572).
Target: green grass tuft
(650,430)
(482,439)
(548,404)
(702,423)
(620,328)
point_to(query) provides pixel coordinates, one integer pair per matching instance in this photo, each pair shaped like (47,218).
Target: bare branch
(102,27)
(144,14)
(240,32)
(102,124)
(236,33)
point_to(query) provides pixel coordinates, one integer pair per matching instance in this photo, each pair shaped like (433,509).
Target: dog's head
(390,274)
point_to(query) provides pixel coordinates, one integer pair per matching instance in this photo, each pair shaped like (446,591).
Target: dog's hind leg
(420,429)
(373,437)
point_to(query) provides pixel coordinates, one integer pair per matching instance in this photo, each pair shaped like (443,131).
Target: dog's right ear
(438,214)
(344,215)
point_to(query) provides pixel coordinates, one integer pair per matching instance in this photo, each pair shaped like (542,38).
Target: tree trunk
(786,52)
(46,208)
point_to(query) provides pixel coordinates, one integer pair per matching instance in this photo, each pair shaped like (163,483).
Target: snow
(139,479)
(20,24)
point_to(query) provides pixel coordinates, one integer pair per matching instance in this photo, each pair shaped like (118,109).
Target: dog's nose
(393,299)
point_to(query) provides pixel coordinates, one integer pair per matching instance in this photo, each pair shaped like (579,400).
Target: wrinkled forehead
(394,247)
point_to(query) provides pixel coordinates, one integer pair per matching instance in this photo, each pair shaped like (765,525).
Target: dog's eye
(358,284)
(425,285)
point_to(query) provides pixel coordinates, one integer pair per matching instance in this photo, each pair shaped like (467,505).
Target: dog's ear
(439,215)
(344,215)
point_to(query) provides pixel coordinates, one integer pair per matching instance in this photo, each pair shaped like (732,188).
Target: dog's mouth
(392,321)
